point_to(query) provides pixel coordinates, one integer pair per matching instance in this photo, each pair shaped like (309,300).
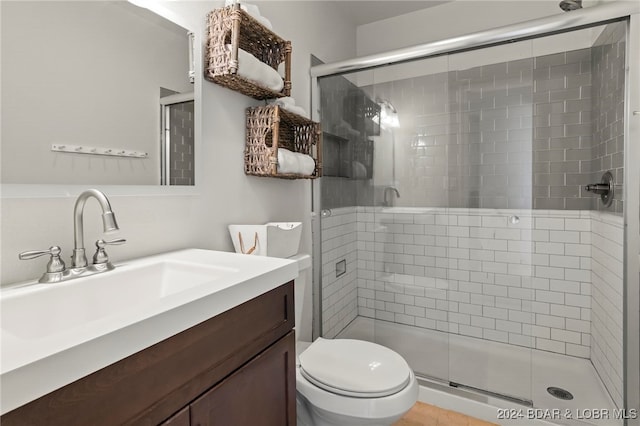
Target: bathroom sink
(53,334)
(58,308)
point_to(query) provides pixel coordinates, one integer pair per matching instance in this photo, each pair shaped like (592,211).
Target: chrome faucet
(386,201)
(56,270)
(79,258)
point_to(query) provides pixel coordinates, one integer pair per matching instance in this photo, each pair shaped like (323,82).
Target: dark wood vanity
(237,368)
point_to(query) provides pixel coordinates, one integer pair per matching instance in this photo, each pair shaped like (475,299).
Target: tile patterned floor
(429,415)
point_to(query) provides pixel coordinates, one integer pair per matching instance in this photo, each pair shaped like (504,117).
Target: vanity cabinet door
(262,393)
(181,418)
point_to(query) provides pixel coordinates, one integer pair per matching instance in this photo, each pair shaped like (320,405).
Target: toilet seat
(354,368)
(357,407)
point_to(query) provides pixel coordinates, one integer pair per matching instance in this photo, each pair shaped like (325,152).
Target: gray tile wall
(181,144)
(608,58)
(425,139)
(529,133)
(493,163)
(514,134)
(562,130)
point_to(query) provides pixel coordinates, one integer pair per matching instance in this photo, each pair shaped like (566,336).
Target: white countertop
(34,364)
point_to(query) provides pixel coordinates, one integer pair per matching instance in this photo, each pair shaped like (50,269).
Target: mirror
(95,93)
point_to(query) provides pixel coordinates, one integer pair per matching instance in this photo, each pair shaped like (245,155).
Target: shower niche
(362,113)
(352,119)
(351,159)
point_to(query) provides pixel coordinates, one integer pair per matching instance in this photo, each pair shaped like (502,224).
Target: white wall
(157,223)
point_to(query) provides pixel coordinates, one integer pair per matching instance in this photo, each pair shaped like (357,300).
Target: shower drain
(559,393)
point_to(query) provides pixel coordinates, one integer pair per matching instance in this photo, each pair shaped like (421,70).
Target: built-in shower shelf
(335,137)
(96,150)
(337,155)
(351,159)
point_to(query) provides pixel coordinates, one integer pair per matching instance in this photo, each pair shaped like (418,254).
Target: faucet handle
(101,255)
(55,263)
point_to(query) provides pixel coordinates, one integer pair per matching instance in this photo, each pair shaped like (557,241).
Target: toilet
(346,382)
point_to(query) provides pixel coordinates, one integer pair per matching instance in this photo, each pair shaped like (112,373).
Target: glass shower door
(347,169)
(492,260)
(410,197)
(380,168)
(407,214)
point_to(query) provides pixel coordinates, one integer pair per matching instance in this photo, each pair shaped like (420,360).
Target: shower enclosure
(460,223)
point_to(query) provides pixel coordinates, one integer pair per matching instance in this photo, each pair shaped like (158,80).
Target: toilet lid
(354,368)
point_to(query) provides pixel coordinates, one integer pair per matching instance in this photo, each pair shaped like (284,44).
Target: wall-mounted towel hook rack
(95,150)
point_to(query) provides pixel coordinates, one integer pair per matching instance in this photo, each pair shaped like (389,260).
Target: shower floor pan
(510,373)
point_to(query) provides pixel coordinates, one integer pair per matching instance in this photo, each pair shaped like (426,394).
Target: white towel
(359,170)
(289,104)
(258,72)
(344,129)
(295,162)
(307,164)
(287,162)
(252,10)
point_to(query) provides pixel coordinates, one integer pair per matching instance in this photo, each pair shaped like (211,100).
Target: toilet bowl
(346,382)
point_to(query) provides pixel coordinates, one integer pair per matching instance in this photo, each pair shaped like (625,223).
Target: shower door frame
(631,287)
(566,22)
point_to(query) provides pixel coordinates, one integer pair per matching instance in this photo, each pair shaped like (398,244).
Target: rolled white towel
(289,104)
(286,100)
(345,129)
(296,110)
(287,161)
(307,165)
(295,162)
(252,10)
(359,170)
(260,73)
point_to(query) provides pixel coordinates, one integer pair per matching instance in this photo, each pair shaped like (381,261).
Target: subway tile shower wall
(339,293)
(562,130)
(474,272)
(543,279)
(607,301)
(608,64)
(514,134)
(528,133)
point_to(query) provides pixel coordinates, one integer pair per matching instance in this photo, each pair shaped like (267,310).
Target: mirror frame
(18,190)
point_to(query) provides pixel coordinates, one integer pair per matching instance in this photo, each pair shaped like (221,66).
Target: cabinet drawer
(149,386)
(262,393)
